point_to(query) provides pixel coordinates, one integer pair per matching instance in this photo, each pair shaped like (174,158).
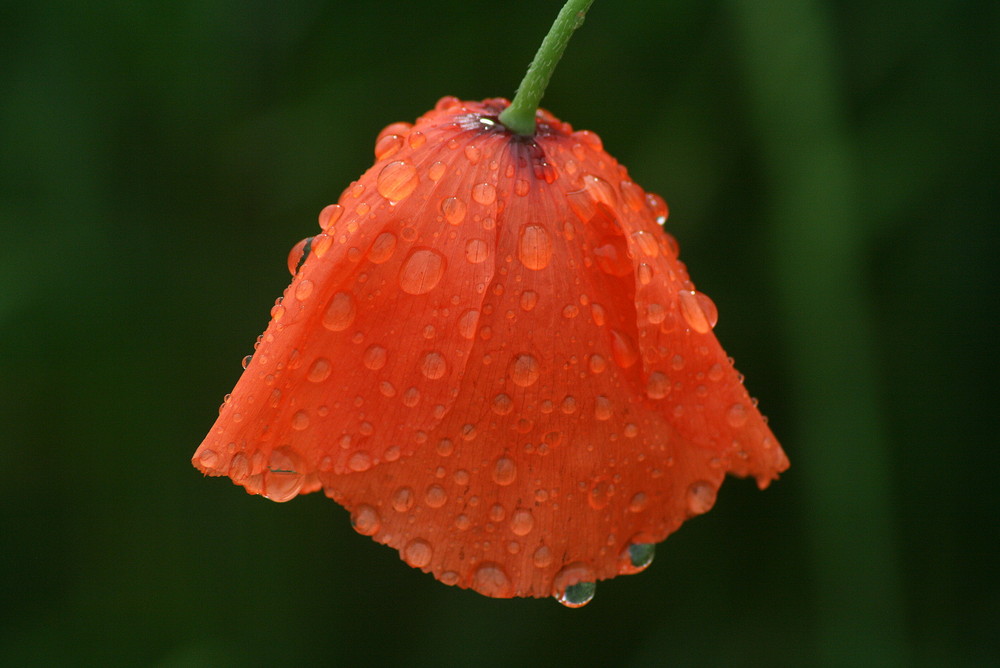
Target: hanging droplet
(577,595)
(297,256)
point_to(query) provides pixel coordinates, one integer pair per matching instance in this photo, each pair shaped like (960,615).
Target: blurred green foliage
(831,170)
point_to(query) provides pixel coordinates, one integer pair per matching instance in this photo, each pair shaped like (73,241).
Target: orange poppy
(492,357)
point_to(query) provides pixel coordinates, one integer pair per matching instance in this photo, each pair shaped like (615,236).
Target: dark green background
(832,176)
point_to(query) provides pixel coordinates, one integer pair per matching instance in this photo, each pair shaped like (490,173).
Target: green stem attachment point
(519,117)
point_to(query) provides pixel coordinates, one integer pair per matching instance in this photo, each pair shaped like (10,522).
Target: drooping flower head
(493,358)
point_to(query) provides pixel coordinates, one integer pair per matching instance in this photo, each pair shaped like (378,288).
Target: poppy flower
(493,358)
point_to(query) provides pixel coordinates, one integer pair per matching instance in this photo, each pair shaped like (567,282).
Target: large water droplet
(504,471)
(397,180)
(365,520)
(700,497)
(282,481)
(491,579)
(574,585)
(524,370)
(453,209)
(534,247)
(421,271)
(340,312)
(330,214)
(636,558)
(698,310)
(418,553)
(522,522)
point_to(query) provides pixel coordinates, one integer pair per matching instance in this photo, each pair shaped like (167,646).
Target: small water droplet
(467,324)
(246,361)
(522,522)
(600,494)
(397,180)
(365,520)
(421,271)
(402,499)
(374,357)
(602,408)
(491,579)
(542,557)
(433,365)
(340,312)
(736,416)
(700,497)
(382,248)
(623,349)
(208,458)
(597,363)
(418,553)
(521,187)
(658,385)
(472,154)
(524,370)
(638,502)
(453,209)
(300,421)
(504,471)
(535,247)
(502,404)
(411,397)
(436,171)
(435,496)
(476,251)
(359,461)
(529,299)
(484,193)
(574,585)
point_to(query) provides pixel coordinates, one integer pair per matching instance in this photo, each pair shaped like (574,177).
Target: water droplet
(633,195)
(570,311)
(524,370)
(374,357)
(698,310)
(602,408)
(700,497)
(521,187)
(597,363)
(574,585)
(476,251)
(282,481)
(502,404)
(542,557)
(246,361)
(433,365)
(303,289)
(208,458)
(421,271)
(490,579)
(411,397)
(484,193)
(298,254)
(658,385)
(638,502)
(365,520)
(600,494)
(418,553)
(472,154)
(623,349)
(300,421)
(397,180)
(453,209)
(402,499)
(359,461)
(535,247)
(330,214)
(638,557)
(522,522)
(382,248)
(340,312)
(387,145)
(655,313)
(239,468)
(737,415)
(612,257)
(435,496)
(504,471)
(529,299)
(467,323)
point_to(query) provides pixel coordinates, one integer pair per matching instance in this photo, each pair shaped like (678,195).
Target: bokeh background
(832,175)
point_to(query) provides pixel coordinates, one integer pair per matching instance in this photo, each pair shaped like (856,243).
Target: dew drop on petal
(502,404)
(421,271)
(467,323)
(658,385)
(476,251)
(382,248)
(700,497)
(435,496)
(504,471)
(638,502)
(529,299)
(542,557)
(303,289)
(736,416)
(698,310)
(418,553)
(340,312)
(397,180)
(491,579)
(534,248)
(524,370)
(453,209)
(359,461)
(282,480)
(298,254)
(638,557)
(374,357)
(522,522)
(484,193)
(365,520)
(623,349)
(300,421)
(402,499)
(433,366)
(330,214)
(574,585)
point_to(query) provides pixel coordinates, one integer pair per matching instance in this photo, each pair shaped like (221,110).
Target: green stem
(520,115)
